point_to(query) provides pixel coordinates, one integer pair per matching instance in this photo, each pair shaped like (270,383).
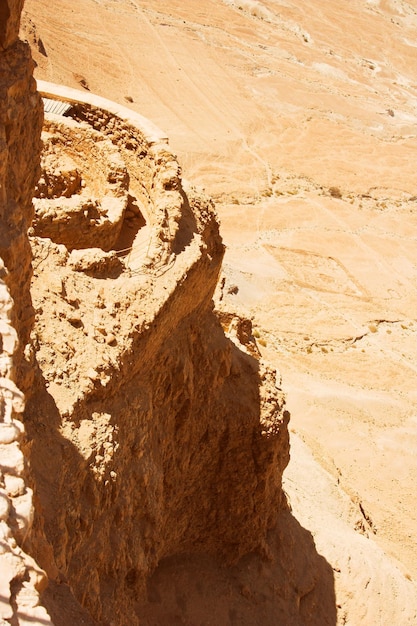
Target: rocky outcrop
(156,434)
(9,22)
(150,433)
(21,580)
(80,212)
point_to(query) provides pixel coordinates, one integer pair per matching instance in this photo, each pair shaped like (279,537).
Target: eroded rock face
(151,433)
(175,444)
(156,433)
(21,116)
(21,580)
(10,11)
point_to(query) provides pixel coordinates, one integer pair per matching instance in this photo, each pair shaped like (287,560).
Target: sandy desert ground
(299,118)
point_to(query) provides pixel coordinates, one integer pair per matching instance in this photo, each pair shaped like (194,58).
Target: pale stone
(4,507)
(21,512)
(95,261)
(11,399)
(6,365)
(92,374)
(5,532)
(15,486)
(11,459)
(6,303)
(110,339)
(8,433)
(9,337)
(11,567)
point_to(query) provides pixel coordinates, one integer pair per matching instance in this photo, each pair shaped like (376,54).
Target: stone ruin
(104,183)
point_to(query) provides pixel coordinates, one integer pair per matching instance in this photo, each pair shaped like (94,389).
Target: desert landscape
(299,121)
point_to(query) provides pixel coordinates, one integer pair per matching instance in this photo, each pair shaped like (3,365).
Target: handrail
(149,130)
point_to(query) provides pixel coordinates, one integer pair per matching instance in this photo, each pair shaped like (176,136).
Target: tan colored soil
(300,120)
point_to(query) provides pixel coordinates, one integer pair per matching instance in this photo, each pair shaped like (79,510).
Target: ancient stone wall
(155,175)
(79,206)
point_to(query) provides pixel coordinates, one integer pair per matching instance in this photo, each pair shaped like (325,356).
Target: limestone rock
(10,11)
(12,399)
(11,459)
(20,125)
(62,179)
(8,433)
(4,507)
(14,485)
(95,262)
(21,514)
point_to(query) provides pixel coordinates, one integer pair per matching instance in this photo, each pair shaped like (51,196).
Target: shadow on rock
(181,452)
(291,584)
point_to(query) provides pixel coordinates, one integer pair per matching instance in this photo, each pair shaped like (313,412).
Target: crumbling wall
(77,205)
(155,175)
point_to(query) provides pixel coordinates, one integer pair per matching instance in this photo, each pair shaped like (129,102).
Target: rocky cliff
(300,120)
(150,432)
(21,580)
(154,432)
(21,117)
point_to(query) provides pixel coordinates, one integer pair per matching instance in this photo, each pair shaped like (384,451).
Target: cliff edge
(150,433)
